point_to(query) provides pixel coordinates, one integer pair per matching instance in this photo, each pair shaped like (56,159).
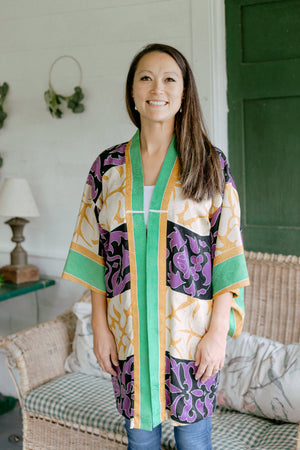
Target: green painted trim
(271,240)
(254,2)
(86,270)
(228,273)
(267,80)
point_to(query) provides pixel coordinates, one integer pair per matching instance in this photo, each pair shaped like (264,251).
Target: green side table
(9,290)
(6,403)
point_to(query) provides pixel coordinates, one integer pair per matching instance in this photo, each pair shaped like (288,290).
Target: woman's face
(157,88)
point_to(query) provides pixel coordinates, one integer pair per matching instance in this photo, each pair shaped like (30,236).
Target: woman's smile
(156,103)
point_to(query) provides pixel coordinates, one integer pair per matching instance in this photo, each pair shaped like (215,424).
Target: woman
(158,243)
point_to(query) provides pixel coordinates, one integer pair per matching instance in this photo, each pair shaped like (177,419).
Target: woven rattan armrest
(39,353)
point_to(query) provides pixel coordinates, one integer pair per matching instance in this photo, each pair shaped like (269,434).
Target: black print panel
(123,385)
(114,156)
(189,263)
(189,400)
(225,166)
(114,246)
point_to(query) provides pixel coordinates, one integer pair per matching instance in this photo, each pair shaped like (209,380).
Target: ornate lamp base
(19,271)
(20,274)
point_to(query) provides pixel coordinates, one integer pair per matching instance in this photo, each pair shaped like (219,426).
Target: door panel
(263,65)
(270,31)
(272,177)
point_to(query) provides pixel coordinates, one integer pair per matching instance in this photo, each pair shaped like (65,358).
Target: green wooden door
(263,69)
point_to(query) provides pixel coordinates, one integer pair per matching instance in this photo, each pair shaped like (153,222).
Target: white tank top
(148,192)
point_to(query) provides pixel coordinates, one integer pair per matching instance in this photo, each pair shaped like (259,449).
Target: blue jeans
(196,436)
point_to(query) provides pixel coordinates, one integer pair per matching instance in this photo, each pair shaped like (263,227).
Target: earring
(135,107)
(180,109)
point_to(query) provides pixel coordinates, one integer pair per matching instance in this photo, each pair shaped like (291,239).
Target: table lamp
(17,202)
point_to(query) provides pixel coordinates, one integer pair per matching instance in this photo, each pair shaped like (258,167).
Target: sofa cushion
(82,357)
(238,431)
(85,400)
(261,377)
(78,398)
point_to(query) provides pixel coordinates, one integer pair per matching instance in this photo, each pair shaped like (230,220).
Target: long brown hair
(201,173)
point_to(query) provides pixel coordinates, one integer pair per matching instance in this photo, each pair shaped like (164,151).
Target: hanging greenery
(3,93)
(54,101)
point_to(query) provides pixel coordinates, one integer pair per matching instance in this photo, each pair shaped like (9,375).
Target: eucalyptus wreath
(3,93)
(54,101)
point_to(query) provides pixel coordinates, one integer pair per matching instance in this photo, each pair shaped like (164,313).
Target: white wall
(55,155)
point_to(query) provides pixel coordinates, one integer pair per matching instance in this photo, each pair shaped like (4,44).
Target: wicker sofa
(77,411)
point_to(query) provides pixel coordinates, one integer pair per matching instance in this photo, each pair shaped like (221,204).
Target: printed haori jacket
(160,282)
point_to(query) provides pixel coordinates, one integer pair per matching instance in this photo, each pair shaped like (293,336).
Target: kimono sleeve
(229,265)
(85,263)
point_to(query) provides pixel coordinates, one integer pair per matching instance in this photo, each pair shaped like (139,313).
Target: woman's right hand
(105,348)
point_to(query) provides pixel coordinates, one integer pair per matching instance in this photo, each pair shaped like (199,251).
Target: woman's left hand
(210,355)
(210,352)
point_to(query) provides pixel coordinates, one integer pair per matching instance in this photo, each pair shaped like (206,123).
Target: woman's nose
(157,86)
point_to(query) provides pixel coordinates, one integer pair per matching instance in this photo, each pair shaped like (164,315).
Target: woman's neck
(156,138)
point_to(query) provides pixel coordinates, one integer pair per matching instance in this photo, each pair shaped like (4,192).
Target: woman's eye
(145,78)
(170,79)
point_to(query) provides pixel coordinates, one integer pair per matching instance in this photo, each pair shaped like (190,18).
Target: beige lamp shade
(16,199)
